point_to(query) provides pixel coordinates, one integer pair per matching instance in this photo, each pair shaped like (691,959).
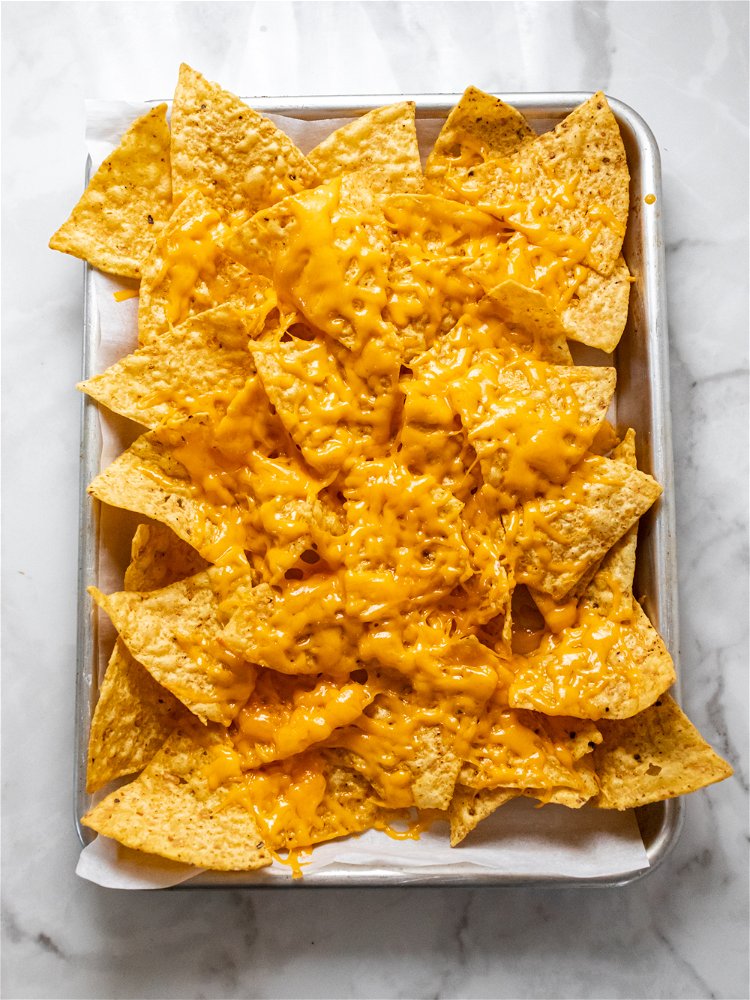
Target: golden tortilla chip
(285,715)
(336,406)
(612,579)
(186,272)
(175,633)
(427,298)
(237,158)
(382,141)
(434,767)
(404,547)
(328,253)
(300,630)
(306,800)
(149,479)
(431,442)
(583,154)
(526,310)
(557,538)
(530,422)
(603,666)
(126,203)
(479,128)
(655,755)
(158,557)
(596,315)
(486,594)
(198,366)
(171,810)
(134,715)
(469,807)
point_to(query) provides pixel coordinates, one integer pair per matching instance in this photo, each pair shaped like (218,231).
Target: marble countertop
(680,932)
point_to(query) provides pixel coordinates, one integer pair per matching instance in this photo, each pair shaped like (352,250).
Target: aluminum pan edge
(660,823)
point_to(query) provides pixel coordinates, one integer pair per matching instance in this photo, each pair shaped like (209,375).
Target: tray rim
(536,105)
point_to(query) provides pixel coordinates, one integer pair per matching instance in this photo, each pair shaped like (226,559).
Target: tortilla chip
(655,755)
(612,581)
(196,366)
(404,548)
(571,798)
(431,442)
(598,312)
(422,773)
(300,630)
(170,810)
(479,128)
(586,152)
(556,539)
(286,715)
(186,272)
(149,479)
(469,807)
(175,633)
(383,141)
(335,405)
(333,800)
(328,253)
(237,158)
(600,667)
(134,716)
(530,423)
(126,203)
(486,594)
(158,557)
(528,310)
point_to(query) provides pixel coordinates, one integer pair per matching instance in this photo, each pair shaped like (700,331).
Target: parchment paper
(519,840)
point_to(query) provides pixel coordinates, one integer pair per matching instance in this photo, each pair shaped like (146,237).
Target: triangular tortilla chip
(527,310)
(430,441)
(596,315)
(486,594)
(175,633)
(150,480)
(530,422)
(654,756)
(479,128)
(299,628)
(336,405)
(186,272)
(170,810)
(612,580)
(328,254)
(134,716)
(404,547)
(469,807)
(288,714)
(557,538)
(306,800)
(585,152)
(198,366)
(158,557)
(382,141)
(239,160)
(602,667)
(126,203)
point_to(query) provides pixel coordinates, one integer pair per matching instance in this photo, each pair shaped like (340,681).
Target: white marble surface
(681,932)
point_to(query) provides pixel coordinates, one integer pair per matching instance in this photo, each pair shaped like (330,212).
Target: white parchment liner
(519,840)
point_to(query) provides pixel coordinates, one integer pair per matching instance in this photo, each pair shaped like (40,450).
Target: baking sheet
(519,843)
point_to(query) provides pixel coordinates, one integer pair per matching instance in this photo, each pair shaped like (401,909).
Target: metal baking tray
(642,402)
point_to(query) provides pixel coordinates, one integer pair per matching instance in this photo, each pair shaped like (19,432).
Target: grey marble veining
(681,932)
